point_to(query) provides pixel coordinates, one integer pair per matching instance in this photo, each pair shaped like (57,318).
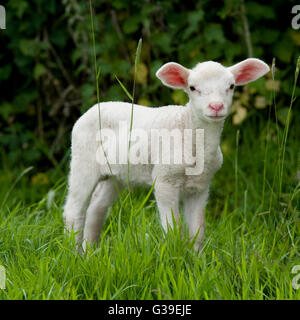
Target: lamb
(94,186)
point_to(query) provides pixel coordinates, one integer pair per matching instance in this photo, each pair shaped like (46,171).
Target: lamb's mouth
(216,117)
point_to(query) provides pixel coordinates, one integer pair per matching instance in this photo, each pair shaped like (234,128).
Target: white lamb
(92,186)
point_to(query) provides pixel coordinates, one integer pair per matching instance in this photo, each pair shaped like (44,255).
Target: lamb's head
(210,85)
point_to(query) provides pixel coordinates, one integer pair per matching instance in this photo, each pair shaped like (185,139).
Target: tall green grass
(248,253)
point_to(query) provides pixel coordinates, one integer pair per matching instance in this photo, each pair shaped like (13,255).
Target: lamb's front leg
(194,213)
(167,199)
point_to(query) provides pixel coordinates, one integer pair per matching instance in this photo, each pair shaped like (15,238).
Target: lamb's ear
(248,70)
(173,75)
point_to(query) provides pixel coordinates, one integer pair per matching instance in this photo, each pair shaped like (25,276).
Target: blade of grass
(97,77)
(124,89)
(236,167)
(136,62)
(14,184)
(287,126)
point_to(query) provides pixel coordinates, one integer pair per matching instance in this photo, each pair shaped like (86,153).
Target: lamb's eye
(192,88)
(231,87)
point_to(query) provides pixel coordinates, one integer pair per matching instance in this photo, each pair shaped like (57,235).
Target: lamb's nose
(216,106)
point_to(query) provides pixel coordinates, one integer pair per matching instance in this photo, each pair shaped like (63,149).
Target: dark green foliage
(46,66)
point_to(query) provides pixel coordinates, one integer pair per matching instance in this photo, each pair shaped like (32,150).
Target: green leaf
(5,72)
(120,4)
(269,36)
(29,47)
(6,110)
(155,65)
(163,41)
(179,97)
(259,85)
(59,37)
(283,114)
(115,93)
(124,89)
(123,68)
(87,92)
(283,49)
(258,11)
(39,70)
(19,7)
(131,24)
(214,33)
(193,19)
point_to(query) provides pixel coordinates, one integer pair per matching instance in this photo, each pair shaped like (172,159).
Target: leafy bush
(46,66)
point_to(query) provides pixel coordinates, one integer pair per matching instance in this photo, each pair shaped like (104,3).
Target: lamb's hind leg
(82,181)
(102,198)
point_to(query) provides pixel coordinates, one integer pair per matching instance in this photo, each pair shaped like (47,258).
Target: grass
(252,234)
(249,250)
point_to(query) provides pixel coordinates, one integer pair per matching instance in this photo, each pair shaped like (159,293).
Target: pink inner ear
(248,72)
(172,76)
